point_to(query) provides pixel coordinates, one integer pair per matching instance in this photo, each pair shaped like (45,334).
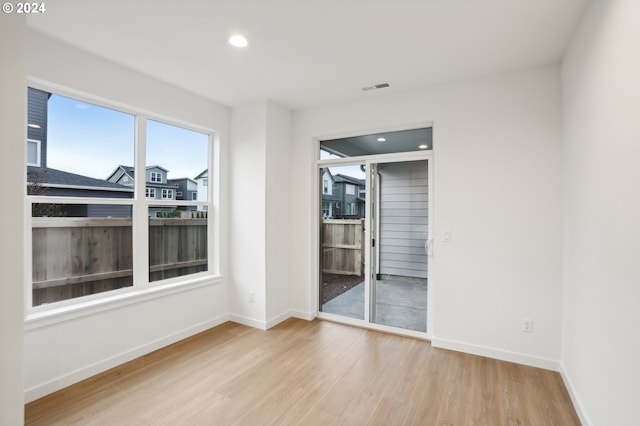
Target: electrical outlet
(527,325)
(252,296)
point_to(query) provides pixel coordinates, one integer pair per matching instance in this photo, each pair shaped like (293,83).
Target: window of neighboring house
(194,196)
(326,209)
(350,189)
(178,194)
(325,186)
(33,152)
(98,234)
(183,153)
(205,182)
(156,177)
(349,208)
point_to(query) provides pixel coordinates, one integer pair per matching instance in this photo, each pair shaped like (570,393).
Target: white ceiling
(305,53)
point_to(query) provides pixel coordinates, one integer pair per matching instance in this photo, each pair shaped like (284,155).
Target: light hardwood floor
(309,373)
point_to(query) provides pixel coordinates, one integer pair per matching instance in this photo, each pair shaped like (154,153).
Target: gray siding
(37,101)
(404,214)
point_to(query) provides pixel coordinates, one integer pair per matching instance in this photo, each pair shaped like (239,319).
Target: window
(178,235)
(349,209)
(94,238)
(350,189)
(33,153)
(178,194)
(205,182)
(325,186)
(194,196)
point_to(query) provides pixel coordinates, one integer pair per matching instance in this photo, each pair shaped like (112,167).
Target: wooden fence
(75,257)
(342,250)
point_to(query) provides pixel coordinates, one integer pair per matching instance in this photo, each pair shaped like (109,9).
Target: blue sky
(92,141)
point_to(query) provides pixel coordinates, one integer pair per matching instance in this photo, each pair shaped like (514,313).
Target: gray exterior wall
(404,215)
(37,114)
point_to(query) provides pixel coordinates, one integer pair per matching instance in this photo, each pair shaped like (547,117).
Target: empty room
(297,212)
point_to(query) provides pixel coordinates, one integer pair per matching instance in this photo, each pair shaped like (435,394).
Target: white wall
(12,180)
(247,210)
(601,97)
(260,208)
(60,353)
(278,213)
(497,171)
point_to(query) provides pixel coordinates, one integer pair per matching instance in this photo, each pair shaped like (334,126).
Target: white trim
(496,353)
(577,405)
(249,322)
(307,316)
(278,319)
(46,388)
(38,153)
(71,309)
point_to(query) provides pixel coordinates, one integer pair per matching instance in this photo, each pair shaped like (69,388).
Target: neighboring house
(158,187)
(342,196)
(187,188)
(45,181)
(203,187)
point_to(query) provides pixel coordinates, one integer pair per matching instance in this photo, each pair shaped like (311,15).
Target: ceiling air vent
(375,87)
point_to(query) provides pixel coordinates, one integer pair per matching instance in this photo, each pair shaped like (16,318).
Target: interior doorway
(374,231)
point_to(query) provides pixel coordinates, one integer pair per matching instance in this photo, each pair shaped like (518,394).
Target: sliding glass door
(399,259)
(374,241)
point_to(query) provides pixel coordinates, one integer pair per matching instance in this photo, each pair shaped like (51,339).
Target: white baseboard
(278,319)
(46,388)
(307,316)
(582,414)
(249,322)
(519,358)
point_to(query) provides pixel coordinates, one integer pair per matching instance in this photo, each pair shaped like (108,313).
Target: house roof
(129,170)
(204,174)
(343,178)
(57,178)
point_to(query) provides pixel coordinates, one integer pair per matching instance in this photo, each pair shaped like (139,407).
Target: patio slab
(401,302)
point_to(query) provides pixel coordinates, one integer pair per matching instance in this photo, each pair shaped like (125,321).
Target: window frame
(142,289)
(38,153)
(155,177)
(167,194)
(148,191)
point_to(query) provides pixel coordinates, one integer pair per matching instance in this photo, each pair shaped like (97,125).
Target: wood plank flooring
(309,373)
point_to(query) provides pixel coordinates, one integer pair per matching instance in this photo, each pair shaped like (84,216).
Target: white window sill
(123,297)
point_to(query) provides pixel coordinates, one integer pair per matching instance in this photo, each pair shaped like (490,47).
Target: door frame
(316,238)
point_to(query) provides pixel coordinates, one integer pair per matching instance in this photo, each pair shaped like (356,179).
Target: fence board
(342,251)
(73,257)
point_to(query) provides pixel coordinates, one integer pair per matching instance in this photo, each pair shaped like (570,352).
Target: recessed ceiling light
(34,126)
(423,147)
(381,140)
(238,40)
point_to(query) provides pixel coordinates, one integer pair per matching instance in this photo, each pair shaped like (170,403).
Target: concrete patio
(400,302)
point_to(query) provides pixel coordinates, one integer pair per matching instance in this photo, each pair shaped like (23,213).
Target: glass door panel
(342,241)
(400,217)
